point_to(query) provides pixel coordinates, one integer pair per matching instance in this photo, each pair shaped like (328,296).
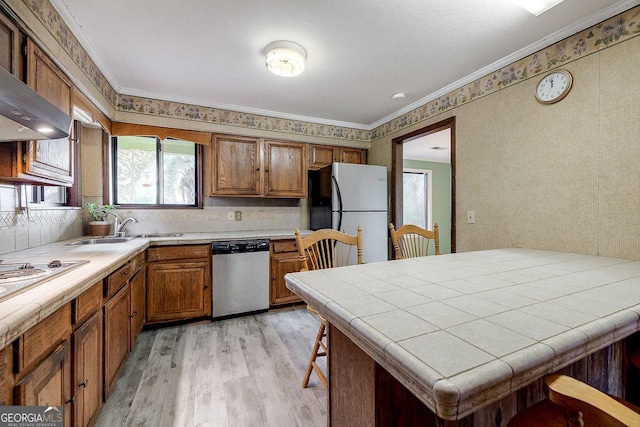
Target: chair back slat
(328,248)
(410,241)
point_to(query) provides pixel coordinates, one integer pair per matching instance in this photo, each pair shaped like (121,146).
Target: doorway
(442,177)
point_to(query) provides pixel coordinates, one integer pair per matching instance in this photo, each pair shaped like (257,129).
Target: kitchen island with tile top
(465,339)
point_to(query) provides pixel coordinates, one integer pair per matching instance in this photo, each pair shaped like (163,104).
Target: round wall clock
(554,86)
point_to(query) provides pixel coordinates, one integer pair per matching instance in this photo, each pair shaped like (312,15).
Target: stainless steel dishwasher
(240,282)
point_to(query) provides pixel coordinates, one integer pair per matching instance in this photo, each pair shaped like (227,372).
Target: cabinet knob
(84,383)
(72,400)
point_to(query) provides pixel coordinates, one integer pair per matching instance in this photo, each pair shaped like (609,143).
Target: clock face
(553,87)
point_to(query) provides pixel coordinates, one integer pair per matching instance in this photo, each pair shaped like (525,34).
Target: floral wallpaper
(50,18)
(233,118)
(612,31)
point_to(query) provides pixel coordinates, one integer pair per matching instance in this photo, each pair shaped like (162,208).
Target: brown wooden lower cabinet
(73,357)
(117,336)
(6,377)
(87,375)
(49,383)
(138,306)
(177,291)
(178,283)
(284,258)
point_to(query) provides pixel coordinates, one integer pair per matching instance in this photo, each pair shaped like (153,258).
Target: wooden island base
(363,393)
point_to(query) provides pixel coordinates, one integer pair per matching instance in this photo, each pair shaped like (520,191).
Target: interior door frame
(397,169)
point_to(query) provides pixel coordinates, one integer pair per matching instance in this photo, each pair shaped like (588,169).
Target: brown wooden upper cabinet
(242,166)
(43,161)
(10,46)
(285,172)
(323,155)
(50,159)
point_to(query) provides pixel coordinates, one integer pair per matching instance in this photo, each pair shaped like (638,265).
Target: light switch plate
(231,216)
(238,215)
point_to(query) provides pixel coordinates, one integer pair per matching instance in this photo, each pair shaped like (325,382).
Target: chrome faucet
(119,224)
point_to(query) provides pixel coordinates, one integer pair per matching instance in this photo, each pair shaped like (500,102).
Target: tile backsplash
(256,214)
(22,229)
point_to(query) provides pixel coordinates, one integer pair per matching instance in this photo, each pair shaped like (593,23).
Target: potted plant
(98,226)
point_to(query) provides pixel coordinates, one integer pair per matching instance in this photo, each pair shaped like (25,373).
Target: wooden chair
(321,249)
(572,403)
(410,241)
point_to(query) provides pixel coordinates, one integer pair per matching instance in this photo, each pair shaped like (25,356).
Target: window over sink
(148,171)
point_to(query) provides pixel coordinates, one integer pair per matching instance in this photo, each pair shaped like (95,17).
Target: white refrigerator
(345,195)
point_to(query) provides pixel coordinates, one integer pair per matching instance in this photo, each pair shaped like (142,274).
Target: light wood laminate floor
(238,372)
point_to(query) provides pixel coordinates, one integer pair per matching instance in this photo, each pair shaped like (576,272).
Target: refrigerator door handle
(335,181)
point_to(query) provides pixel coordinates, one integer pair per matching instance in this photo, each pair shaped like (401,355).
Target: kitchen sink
(160,235)
(96,240)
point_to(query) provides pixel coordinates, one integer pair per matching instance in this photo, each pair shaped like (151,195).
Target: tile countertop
(464,330)
(26,309)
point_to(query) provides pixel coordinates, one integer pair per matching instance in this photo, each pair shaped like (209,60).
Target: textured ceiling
(360,52)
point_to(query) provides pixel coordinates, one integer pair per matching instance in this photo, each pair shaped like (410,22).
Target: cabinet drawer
(280,246)
(164,253)
(116,280)
(37,341)
(86,304)
(137,263)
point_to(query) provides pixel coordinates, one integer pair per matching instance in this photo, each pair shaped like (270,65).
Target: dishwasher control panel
(239,246)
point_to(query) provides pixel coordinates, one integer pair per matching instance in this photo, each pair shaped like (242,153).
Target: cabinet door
(87,364)
(51,159)
(322,155)
(235,166)
(178,290)
(49,383)
(138,296)
(6,377)
(353,155)
(10,42)
(116,337)
(285,169)
(283,260)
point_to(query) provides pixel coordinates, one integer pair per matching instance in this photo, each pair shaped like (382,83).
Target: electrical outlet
(231,216)
(471,217)
(238,215)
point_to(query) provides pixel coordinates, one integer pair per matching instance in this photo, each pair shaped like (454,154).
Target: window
(45,195)
(416,197)
(153,172)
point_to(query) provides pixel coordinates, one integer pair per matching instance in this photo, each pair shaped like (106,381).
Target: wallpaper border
(612,31)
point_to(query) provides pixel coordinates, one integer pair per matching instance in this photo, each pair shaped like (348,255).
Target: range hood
(25,115)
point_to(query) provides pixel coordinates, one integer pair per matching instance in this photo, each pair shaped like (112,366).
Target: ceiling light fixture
(399,95)
(285,58)
(537,7)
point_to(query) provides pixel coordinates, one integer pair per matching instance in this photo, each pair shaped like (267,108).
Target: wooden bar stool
(321,249)
(573,403)
(410,241)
